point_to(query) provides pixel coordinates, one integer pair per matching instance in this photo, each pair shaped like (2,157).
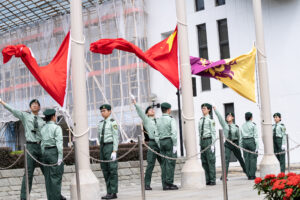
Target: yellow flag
(237,73)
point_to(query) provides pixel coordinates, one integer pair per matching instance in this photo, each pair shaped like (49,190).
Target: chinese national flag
(52,77)
(162,56)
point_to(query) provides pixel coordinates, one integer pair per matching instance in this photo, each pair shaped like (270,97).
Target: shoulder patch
(282,124)
(171,116)
(213,123)
(236,125)
(115,126)
(253,123)
(112,120)
(102,120)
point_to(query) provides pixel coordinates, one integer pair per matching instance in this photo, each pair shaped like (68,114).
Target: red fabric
(52,77)
(158,56)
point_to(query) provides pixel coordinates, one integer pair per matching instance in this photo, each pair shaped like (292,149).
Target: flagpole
(89,184)
(192,174)
(269,163)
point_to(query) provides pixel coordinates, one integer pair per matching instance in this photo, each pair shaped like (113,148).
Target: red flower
(279,184)
(270,176)
(281,175)
(293,181)
(291,174)
(273,181)
(288,192)
(257,180)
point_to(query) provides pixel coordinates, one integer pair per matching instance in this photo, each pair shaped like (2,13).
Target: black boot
(62,197)
(105,197)
(147,187)
(112,196)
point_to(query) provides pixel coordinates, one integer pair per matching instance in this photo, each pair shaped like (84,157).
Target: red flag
(162,56)
(52,77)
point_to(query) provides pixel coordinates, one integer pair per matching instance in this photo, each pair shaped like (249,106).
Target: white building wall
(282,26)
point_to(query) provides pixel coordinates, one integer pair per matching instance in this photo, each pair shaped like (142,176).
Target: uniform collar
(108,118)
(207,116)
(165,114)
(51,122)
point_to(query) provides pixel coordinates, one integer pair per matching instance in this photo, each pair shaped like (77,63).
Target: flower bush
(283,186)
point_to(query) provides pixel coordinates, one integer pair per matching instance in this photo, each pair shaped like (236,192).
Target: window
(199,5)
(220,2)
(203,53)
(194,86)
(228,108)
(223,40)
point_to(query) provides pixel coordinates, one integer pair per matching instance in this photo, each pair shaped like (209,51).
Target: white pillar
(269,163)
(192,174)
(89,184)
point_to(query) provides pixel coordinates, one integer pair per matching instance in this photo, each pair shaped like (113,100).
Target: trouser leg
(151,158)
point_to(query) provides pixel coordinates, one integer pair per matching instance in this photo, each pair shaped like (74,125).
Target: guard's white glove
(113,156)
(212,148)
(59,161)
(174,149)
(283,147)
(132,98)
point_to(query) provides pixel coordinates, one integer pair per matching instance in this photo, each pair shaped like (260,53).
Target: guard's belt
(151,140)
(51,147)
(165,138)
(29,142)
(206,138)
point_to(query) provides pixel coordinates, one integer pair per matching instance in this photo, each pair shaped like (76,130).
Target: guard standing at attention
(207,134)
(249,141)
(108,136)
(166,127)
(232,133)
(279,140)
(52,151)
(149,122)
(32,124)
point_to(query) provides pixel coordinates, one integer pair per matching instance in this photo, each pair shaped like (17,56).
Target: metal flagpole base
(269,165)
(192,175)
(89,185)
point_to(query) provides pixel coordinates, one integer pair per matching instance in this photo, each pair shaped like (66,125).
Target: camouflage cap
(277,114)
(105,106)
(165,105)
(49,112)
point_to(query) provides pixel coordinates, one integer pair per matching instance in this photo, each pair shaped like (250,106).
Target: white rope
(77,41)
(48,165)
(108,161)
(180,158)
(13,164)
(187,118)
(181,23)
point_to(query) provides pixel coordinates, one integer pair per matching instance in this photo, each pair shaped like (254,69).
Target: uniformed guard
(32,124)
(109,141)
(52,150)
(166,127)
(207,135)
(232,133)
(279,140)
(249,141)
(149,122)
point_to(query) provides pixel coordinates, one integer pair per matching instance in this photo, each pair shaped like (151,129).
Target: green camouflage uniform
(279,139)
(249,141)
(231,132)
(52,150)
(109,140)
(166,127)
(150,126)
(207,135)
(32,125)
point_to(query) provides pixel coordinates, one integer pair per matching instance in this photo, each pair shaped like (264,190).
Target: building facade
(220,29)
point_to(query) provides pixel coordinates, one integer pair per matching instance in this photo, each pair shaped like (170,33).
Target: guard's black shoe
(23,199)
(172,187)
(111,196)
(147,187)
(166,187)
(212,183)
(175,186)
(207,183)
(105,197)
(62,197)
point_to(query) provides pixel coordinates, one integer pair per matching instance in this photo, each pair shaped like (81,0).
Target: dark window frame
(220,2)
(198,7)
